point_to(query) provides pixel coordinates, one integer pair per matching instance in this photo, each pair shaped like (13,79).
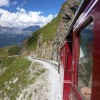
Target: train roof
(80,9)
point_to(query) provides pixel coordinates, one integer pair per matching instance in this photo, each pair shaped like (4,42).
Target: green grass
(8,51)
(14,66)
(7,61)
(14,50)
(4,52)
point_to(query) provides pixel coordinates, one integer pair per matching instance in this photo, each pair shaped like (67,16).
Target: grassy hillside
(11,69)
(48,32)
(14,50)
(16,73)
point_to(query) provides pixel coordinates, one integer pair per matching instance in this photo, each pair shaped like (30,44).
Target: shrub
(14,50)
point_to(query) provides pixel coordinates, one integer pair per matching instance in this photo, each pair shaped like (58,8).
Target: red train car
(80,55)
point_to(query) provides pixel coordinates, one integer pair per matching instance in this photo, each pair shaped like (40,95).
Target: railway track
(55,65)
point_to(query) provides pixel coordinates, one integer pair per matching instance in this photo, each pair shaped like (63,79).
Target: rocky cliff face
(50,49)
(67,13)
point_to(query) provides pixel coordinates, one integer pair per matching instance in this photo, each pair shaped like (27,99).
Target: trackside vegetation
(16,74)
(13,69)
(14,50)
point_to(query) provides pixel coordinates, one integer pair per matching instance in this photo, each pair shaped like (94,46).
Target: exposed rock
(2,70)
(44,50)
(67,15)
(15,80)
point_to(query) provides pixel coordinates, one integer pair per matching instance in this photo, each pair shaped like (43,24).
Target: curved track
(54,64)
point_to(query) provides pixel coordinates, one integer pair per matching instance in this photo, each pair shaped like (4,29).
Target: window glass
(85,61)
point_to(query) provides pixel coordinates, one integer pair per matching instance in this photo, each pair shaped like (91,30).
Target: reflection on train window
(86,61)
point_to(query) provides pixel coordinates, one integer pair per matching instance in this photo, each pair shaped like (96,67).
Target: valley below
(9,39)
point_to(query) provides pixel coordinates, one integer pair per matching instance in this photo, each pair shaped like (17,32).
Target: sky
(24,13)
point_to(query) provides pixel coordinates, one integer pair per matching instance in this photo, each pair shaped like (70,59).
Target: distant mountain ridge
(15,36)
(14,30)
(32,28)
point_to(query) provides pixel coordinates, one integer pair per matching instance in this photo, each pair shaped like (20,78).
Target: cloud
(22,18)
(23,3)
(21,10)
(4,3)
(14,2)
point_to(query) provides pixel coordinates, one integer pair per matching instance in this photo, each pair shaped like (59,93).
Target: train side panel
(70,60)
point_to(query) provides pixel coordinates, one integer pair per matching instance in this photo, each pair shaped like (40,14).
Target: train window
(85,61)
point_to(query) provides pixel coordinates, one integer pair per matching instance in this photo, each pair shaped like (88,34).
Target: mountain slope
(48,32)
(45,42)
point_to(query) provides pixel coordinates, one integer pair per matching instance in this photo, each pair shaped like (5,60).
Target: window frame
(76,54)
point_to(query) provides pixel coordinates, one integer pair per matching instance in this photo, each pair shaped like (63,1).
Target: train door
(67,69)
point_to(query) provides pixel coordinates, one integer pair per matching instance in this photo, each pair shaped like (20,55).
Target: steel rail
(56,66)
